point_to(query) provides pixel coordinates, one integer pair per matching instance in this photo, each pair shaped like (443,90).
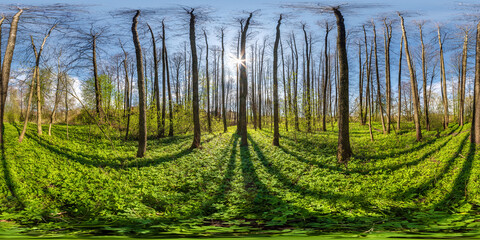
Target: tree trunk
(400,86)
(276,133)
(57,91)
(387,40)
(379,94)
(461,107)
(344,151)
(413,83)
(29,104)
(360,83)
(424,75)
(209,121)
(324,108)
(444,83)
(196,111)
(5,69)
(224,107)
(142,118)
(307,81)
(475,131)
(98,87)
(156,90)
(243,84)
(170,103)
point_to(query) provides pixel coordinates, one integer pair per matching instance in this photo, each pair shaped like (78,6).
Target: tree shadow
(459,189)
(116,163)
(8,179)
(425,186)
(292,185)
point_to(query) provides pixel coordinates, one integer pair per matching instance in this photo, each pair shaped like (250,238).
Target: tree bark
(5,69)
(307,81)
(224,107)
(387,40)
(444,82)
(344,151)
(142,118)
(209,121)
(276,133)
(156,90)
(461,107)
(475,131)
(424,75)
(379,94)
(413,83)
(243,83)
(195,100)
(324,108)
(399,117)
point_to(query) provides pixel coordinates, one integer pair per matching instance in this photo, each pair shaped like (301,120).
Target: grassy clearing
(84,185)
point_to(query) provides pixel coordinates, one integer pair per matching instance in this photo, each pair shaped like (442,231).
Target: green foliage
(83,184)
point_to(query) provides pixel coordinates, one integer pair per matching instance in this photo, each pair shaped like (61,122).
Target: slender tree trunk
(444,83)
(55,104)
(360,83)
(276,133)
(98,87)
(243,84)
(413,83)
(344,152)
(307,81)
(209,121)
(196,110)
(324,108)
(400,86)
(5,68)
(379,94)
(475,131)
(424,76)
(368,63)
(224,107)
(29,104)
(161,133)
(387,40)
(284,88)
(156,90)
(170,102)
(142,118)
(461,110)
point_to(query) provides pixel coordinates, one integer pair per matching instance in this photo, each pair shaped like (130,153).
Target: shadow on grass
(459,190)
(117,163)
(292,184)
(429,184)
(8,179)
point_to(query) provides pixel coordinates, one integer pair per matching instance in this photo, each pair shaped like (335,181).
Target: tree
(142,118)
(325,77)
(400,85)
(379,95)
(475,131)
(444,82)
(344,152)
(424,75)
(156,90)
(276,133)
(224,108)
(463,79)
(242,123)
(209,121)
(413,83)
(307,81)
(387,39)
(195,100)
(6,65)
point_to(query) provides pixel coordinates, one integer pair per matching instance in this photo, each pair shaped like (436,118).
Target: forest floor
(87,185)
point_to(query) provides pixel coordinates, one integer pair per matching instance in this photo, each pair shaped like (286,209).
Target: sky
(225,13)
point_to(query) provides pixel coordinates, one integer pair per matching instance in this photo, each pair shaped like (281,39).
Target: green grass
(84,186)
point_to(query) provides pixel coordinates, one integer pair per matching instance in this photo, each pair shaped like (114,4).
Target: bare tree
(242,123)
(475,131)
(142,118)
(276,133)
(195,101)
(444,82)
(344,152)
(6,65)
(413,83)
(224,108)
(387,36)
